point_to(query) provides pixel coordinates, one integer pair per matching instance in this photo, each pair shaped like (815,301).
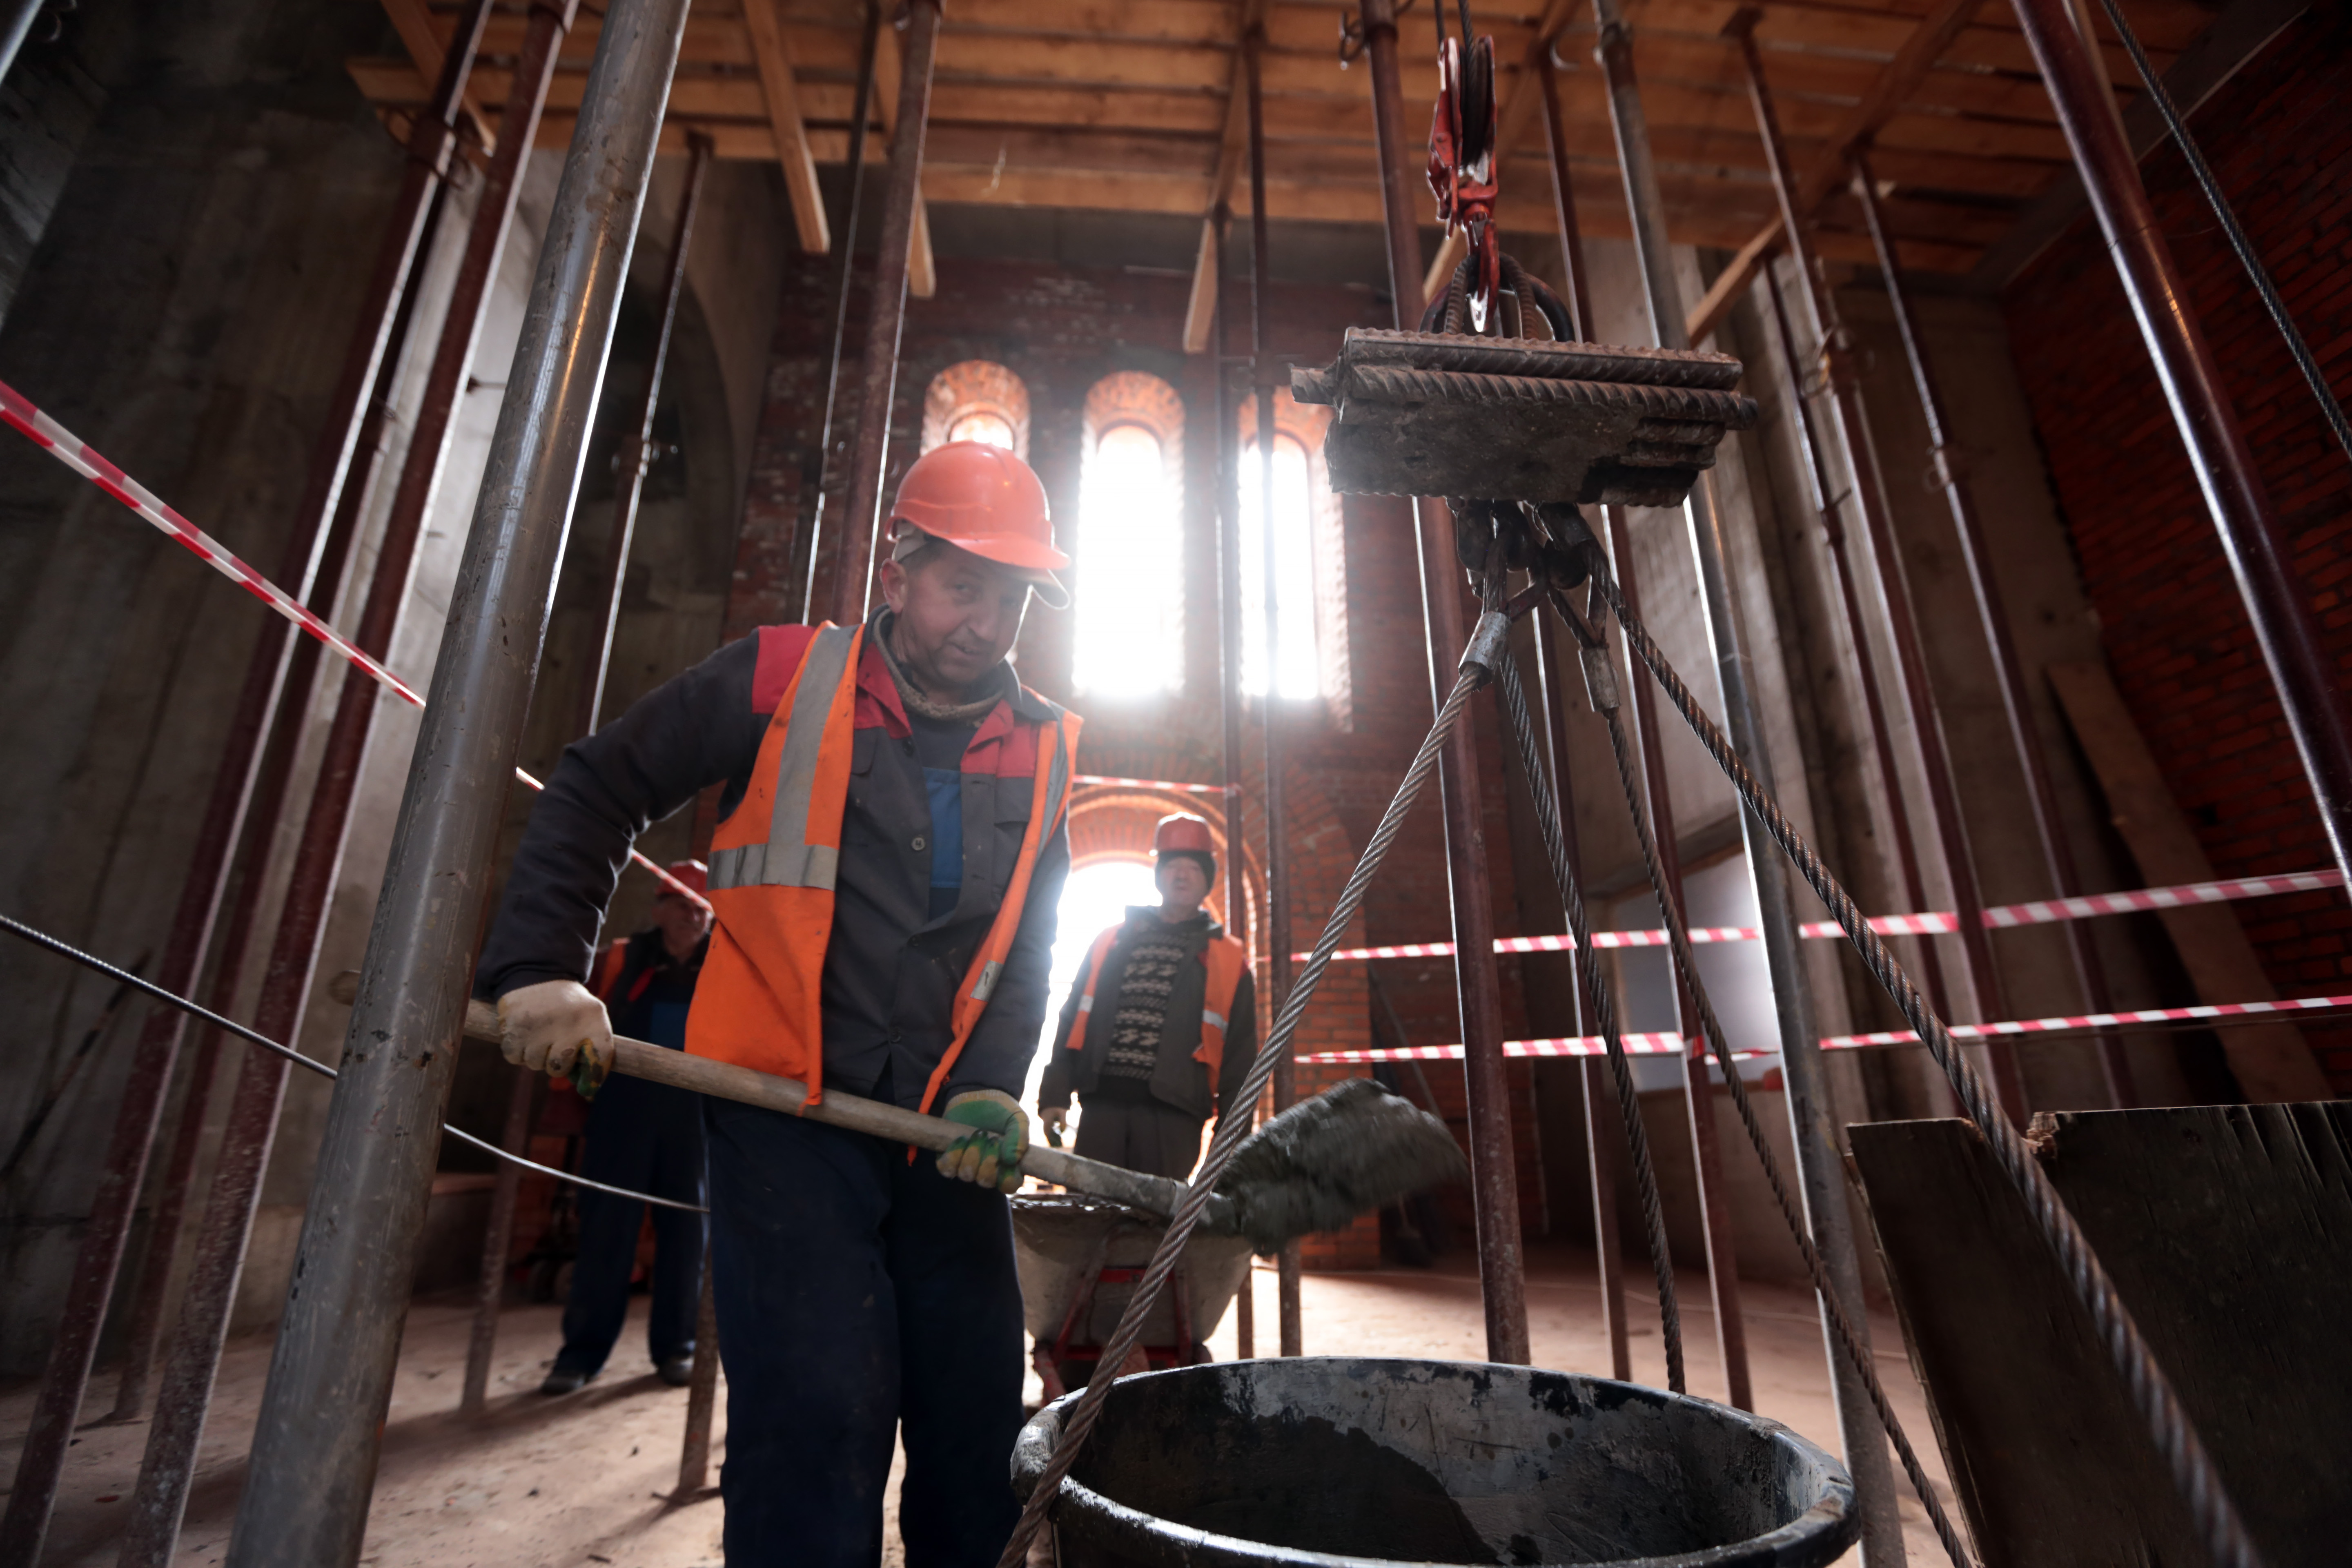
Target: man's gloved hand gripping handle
(992,1155)
(557,1027)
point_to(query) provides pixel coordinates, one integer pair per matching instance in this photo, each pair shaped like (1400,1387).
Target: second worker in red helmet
(1160,1026)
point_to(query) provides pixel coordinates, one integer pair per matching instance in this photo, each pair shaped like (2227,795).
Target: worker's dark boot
(562,1379)
(677,1371)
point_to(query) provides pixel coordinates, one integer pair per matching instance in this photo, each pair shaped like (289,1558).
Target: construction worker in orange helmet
(891,845)
(1161,1027)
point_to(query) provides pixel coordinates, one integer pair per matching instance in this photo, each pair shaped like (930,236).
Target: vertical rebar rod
(143,1334)
(140,1103)
(801,573)
(1277,858)
(1874,701)
(1493,1174)
(2000,639)
(1228,670)
(1813,1119)
(886,316)
(701,1393)
(1893,586)
(631,487)
(167,1470)
(320,1428)
(497,1237)
(1593,1073)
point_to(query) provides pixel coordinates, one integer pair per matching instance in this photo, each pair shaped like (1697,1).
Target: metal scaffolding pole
(144,1333)
(320,1428)
(66,1379)
(1811,1117)
(800,569)
(1277,859)
(1894,590)
(1502,1266)
(1229,668)
(1698,1093)
(184,1393)
(887,314)
(2000,641)
(1592,1071)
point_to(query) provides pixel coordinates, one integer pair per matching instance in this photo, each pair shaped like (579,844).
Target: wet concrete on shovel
(587,1479)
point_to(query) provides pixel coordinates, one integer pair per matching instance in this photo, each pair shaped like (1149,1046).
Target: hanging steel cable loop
(1604,703)
(195,1010)
(2305,361)
(2218,1522)
(1604,1013)
(1232,1130)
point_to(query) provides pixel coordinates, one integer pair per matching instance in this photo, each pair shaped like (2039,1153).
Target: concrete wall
(180,278)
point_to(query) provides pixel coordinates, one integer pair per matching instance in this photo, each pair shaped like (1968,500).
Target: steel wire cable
(2296,345)
(1231,1131)
(1711,1033)
(2216,1518)
(90,961)
(1604,1012)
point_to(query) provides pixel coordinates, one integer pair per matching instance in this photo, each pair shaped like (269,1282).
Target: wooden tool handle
(725,1080)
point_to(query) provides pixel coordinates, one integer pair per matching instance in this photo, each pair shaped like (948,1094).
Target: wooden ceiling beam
(1232,149)
(1919,53)
(428,47)
(782,92)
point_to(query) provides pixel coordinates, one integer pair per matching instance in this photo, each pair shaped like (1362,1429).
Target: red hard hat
(982,498)
(1182,832)
(693,873)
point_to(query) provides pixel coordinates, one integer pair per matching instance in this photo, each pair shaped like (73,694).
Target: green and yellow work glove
(991,1155)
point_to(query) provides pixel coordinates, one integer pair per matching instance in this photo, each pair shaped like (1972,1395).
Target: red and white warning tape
(1671,1044)
(19,412)
(1147,783)
(2041,911)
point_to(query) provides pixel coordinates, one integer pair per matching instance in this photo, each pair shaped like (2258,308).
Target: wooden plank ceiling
(1126,105)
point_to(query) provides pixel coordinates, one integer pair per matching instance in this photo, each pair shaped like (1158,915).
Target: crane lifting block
(1520,419)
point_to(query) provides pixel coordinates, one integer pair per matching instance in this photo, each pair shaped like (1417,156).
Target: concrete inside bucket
(1320,1459)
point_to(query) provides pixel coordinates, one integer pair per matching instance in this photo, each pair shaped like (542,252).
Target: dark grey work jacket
(1178,1081)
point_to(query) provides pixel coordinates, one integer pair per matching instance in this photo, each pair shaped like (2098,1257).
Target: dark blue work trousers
(859,1295)
(648,1137)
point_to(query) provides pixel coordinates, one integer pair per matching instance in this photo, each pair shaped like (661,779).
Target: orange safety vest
(760,1001)
(1225,959)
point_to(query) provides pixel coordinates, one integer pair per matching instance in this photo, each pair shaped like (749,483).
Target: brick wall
(2174,629)
(1061,331)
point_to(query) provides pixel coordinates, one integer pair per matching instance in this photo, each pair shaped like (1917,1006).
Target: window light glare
(1297,662)
(1128,588)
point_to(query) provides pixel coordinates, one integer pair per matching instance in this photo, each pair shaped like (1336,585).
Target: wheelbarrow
(1080,1260)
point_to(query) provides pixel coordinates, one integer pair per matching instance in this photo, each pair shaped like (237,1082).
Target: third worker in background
(1160,1028)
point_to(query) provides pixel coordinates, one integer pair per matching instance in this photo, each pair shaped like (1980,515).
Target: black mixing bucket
(1332,1460)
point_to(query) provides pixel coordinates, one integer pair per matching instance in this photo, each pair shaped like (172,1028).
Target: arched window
(1128,591)
(1310,655)
(978,400)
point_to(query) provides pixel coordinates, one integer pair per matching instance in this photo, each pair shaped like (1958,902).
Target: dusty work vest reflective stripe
(1225,959)
(760,1001)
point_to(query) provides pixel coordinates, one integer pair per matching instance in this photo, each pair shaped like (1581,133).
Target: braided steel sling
(1232,1129)
(2217,1523)
(1601,684)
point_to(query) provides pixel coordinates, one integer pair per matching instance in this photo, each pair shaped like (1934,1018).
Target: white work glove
(557,1027)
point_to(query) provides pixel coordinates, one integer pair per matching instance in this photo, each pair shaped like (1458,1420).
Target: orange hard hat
(1183,832)
(693,873)
(982,498)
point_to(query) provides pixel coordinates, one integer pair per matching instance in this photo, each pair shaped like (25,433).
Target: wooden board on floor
(2228,1231)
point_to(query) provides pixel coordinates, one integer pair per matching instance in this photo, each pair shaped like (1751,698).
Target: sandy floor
(542,1483)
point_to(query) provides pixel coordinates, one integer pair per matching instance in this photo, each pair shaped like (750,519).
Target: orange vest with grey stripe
(760,1001)
(1226,960)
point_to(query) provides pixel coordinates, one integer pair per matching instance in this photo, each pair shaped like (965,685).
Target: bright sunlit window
(984,425)
(1129,592)
(1296,664)
(1095,898)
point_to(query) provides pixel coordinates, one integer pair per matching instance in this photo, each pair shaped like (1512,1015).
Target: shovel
(1315,1167)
